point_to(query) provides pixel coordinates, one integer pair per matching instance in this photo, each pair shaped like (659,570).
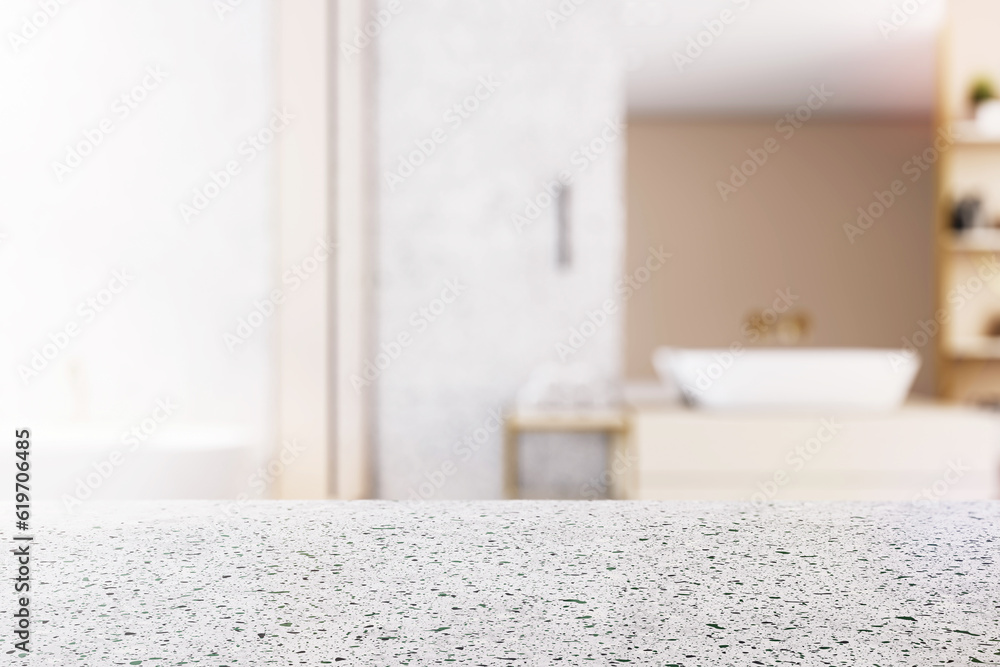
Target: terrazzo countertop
(516,583)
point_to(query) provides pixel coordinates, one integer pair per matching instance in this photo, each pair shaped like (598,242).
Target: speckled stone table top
(516,583)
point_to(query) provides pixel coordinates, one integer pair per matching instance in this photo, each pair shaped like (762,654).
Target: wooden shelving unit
(969,296)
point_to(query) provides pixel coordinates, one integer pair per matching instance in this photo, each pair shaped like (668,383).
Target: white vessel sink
(797,378)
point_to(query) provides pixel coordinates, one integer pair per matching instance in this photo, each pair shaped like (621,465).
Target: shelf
(566,419)
(974,349)
(979,240)
(969,135)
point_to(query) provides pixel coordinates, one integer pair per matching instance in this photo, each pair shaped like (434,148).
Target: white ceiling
(766,59)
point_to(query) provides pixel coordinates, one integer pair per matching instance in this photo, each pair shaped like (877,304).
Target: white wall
(162,335)
(451,220)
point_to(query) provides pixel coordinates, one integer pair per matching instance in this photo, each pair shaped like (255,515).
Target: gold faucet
(788,328)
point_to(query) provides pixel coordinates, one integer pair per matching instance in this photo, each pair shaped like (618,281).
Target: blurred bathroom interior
(454,249)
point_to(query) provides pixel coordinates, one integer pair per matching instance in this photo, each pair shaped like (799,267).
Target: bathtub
(80,463)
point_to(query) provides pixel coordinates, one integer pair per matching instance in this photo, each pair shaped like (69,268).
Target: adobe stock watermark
(453,118)
(365,34)
(563,12)
(796,460)
(33,24)
(248,150)
(87,311)
(224,8)
(713,28)
(900,15)
(130,441)
(913,168)
(958,296)
(625,288)
(723,361)
(581,159)
(463,449)
(292,279)
(261,479)
(937,490)
(420,320)
(641,13)
(121,109)
(257,484)
(599,486)
(786,126)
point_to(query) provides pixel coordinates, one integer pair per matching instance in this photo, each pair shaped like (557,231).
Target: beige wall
(783,229)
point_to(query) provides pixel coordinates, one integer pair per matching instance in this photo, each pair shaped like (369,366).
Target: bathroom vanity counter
(518,583)
(922,451)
